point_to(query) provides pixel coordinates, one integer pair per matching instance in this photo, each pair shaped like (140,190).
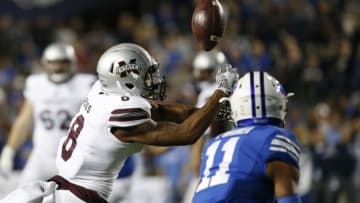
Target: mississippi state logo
(123,68)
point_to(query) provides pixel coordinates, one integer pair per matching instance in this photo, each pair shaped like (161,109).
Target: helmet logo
(122,68)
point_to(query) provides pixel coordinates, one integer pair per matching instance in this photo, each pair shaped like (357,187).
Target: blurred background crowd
(311,46)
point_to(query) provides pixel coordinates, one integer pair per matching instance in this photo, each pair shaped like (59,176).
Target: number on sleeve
(221,176)
(70,142)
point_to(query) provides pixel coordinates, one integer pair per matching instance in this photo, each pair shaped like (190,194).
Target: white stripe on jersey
(288,147)
(282,137)
(281,149)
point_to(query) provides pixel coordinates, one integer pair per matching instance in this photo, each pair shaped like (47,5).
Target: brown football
(208,23)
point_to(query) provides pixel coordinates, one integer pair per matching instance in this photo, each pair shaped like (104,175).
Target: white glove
(226,76)
(7,160)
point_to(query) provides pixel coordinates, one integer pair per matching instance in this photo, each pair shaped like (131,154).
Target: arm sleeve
(283,148)
(131,111)
(28,88)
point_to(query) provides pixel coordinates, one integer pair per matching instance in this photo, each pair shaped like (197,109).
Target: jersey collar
(260,121)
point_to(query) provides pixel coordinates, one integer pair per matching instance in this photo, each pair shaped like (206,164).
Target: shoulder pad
(129,111)
(33,83)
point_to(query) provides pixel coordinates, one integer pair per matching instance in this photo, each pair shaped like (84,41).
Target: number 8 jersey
(233,164)
(91,156)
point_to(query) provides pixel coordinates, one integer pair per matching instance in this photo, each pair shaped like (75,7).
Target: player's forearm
(171,133)
(285,178)
(172,112)
(18,133)
(200,120)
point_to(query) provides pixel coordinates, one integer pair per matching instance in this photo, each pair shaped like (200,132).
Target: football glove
(226,76)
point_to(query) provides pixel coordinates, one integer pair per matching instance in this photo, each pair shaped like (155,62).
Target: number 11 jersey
(233,164)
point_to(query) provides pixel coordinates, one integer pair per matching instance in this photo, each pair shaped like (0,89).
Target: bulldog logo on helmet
(124,68)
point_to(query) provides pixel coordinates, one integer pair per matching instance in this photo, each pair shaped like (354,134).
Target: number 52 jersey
(54,105)
(233,164)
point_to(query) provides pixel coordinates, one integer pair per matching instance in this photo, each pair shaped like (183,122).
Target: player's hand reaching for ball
(226,77)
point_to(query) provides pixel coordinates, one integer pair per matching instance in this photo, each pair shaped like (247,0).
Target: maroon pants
(82,193)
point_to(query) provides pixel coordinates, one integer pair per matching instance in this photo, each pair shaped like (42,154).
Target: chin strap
(59,77)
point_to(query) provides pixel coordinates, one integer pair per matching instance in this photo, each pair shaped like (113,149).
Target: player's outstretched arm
(17,135)
(170,133)
(171,112)
(285,179)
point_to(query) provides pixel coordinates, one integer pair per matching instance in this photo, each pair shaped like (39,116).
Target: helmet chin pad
(60,77)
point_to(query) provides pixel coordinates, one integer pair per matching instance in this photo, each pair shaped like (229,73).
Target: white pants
(65,196)
(38,167)
(40,192)
(34,192)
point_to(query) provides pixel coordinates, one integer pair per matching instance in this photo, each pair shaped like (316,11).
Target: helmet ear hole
(129,85)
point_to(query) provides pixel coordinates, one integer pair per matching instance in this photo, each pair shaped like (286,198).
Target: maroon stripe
(128,118)
(87,195)
(130,110)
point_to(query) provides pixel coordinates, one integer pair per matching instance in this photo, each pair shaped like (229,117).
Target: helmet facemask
(59,70)
(59,60)
(154,84)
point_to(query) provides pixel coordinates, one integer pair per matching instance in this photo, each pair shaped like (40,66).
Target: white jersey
(91,156)
(54,104)
(206,92)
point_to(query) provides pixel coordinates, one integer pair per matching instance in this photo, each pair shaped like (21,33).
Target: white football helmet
(129,69)
(258,98)
(59,60)
(209,60)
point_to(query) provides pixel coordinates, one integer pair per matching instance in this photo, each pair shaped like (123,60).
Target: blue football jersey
(128,168)
(234,163)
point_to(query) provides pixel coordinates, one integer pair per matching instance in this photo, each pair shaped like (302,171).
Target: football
(208,23)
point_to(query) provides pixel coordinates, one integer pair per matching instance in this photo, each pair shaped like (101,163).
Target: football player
(51,100)
(258,160)
(115,122)
(205,65)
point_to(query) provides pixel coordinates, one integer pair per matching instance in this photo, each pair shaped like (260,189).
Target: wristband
(8,152)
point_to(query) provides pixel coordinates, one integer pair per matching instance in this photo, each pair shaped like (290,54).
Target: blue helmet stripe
(262,94)
(252,89)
